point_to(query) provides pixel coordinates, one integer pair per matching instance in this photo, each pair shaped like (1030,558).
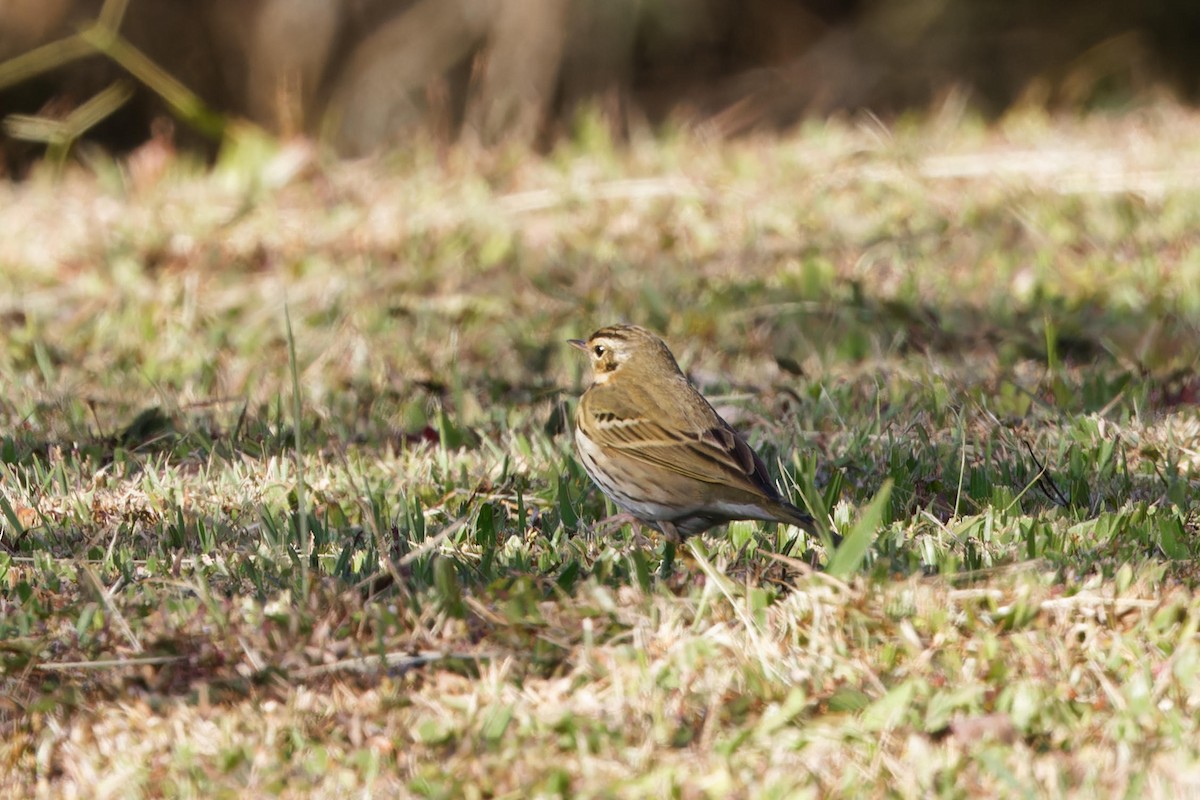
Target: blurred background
(361,75)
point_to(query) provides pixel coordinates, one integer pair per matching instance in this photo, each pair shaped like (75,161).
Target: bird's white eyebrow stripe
(616,334)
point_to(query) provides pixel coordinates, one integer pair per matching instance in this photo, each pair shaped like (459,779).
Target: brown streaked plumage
(655,446)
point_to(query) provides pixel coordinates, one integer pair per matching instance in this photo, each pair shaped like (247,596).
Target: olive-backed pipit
(656,447)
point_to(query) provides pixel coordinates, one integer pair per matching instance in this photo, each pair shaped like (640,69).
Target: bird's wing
(711,452)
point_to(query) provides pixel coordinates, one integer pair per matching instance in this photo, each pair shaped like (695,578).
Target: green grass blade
(849,555)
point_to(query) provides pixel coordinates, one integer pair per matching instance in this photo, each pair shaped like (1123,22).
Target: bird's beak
(578,344)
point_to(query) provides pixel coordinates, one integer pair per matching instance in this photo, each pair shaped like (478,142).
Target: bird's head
(631,352)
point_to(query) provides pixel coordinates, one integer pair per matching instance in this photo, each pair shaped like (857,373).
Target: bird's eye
(598,350)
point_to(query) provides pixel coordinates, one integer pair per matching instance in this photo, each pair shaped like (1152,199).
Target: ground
(970,348)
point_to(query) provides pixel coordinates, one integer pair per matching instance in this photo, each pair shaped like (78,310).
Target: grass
(973,349)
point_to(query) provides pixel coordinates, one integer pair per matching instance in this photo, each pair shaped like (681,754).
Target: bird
(651,442)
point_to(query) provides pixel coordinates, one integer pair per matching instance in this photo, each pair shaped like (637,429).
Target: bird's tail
(786,512)
(790,514)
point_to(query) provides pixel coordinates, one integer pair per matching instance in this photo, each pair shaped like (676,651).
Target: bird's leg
(614,523)
(670,531)
(610,525)
(671,534)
